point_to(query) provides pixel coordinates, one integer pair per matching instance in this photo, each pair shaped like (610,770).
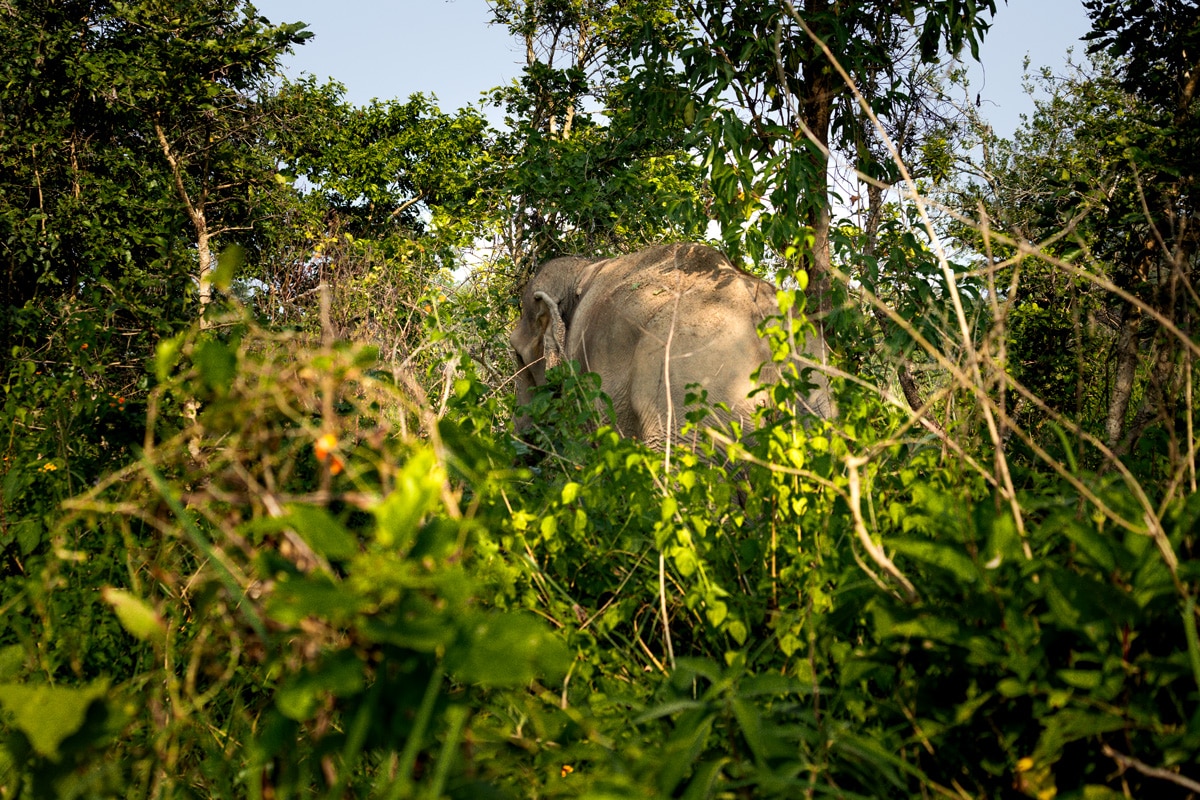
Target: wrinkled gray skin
(621,317)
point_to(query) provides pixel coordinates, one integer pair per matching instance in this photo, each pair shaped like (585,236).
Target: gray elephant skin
(651,324)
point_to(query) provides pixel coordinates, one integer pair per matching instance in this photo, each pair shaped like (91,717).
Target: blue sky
(394,48)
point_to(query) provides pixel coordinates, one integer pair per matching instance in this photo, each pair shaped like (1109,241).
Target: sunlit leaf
(507,650)
(417,490)
(230,260)
(325,534)
(47,715)
(136,615)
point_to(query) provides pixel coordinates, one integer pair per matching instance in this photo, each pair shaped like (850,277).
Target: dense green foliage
(265,530)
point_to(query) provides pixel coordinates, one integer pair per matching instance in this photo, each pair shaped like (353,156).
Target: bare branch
(860,527)
(1127,762)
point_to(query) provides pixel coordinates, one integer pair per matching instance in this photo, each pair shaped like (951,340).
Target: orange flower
(323,449)
(324,446)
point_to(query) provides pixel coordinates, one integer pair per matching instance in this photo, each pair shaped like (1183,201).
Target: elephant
(652,324)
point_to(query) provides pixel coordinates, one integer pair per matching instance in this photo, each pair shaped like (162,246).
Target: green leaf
(751,725)
(417,490)
(1067,445)
(684,559)
(301,695)
(297,597)
(507,650)
(704,780)
(1074,599)
(28,533)
(1192,637)
(939,555)
(688,669)
(1070,725)
(1081,678)
(324,534)
(686,743)
(12,660)
(1098,547)
(670,506)
(1004,541)
(915,625)
(769,684)
(231,258)
(136,615)
(716,611)
(217,362)
(166,356)
(963,712)
(47,715)
(789,644)
(884,763)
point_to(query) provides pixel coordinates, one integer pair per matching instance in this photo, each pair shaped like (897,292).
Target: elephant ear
(554,337)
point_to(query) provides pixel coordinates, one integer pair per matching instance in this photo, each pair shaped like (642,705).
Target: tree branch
(195,214)
(406,205)
(864,537)
(1126,762)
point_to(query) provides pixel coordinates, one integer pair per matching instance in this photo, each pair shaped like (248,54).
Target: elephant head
(539,339)
(653,325)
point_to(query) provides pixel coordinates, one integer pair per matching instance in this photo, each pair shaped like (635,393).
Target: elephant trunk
(524,385)
(554,340)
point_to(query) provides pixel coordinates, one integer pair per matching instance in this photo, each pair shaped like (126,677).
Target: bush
(310,583)
(281,593)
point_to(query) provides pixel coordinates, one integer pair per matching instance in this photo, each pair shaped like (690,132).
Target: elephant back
(658,326)
(662,323)
(690,277)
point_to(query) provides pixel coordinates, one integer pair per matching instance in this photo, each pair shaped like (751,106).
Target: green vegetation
(265,530)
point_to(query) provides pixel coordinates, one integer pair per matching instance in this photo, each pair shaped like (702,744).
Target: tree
(774,108)
(1157,45)
(80,204)
(380,215)
(376,166)
(581,168)
(206,66)
(1103,175)
(130,142)
(1058,175)
(144,113)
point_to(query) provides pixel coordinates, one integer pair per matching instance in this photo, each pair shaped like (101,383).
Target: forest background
(264,525)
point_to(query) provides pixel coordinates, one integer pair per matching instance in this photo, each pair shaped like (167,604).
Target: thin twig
(864,537)
(1127,762)
(670,438)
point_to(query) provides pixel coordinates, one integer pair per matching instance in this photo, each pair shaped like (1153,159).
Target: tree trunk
(874,215)
(815,211)
(908,385)
(204,251)
(1127,359)
(816,111)
(195,212)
